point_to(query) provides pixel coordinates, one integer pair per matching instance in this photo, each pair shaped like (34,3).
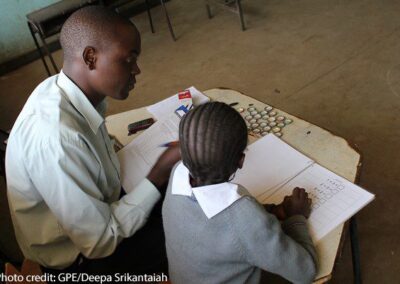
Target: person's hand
(297,204)
(161,171)
(276,210)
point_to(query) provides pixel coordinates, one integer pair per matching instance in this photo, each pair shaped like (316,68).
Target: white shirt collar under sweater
(212,199)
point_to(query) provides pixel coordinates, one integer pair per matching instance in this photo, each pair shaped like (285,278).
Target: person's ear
(241,161)
(89,57)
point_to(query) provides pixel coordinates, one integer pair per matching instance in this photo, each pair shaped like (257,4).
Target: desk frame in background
(233,6)
(326,149)
(47,22)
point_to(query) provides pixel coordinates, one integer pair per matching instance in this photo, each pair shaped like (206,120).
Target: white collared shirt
(64,179)
(212,199)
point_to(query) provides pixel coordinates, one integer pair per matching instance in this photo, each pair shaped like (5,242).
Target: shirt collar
(81,103)
(212,199)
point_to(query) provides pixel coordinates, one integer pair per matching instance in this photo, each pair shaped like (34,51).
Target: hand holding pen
(161,171)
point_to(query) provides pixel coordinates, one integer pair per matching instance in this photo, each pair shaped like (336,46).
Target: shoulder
(249,214)
(248,204)
(47,119)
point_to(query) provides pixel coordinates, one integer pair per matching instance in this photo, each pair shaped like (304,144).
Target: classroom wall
(15,38)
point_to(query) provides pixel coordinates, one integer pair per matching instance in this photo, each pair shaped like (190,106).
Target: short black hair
(212,139)
(94,26)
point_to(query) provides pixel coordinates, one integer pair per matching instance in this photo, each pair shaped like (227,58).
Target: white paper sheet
(139,156)
(334,199)
(272,169)
(269,162)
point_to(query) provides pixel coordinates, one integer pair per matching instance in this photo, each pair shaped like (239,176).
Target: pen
(169,144)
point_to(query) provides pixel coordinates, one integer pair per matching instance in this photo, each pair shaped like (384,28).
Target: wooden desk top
(328,150)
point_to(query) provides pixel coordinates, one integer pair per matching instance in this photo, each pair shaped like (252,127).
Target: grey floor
(333,63)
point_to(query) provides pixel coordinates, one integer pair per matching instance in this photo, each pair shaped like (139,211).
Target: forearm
(120,219)
(133,209)
(296,228)
(292,259)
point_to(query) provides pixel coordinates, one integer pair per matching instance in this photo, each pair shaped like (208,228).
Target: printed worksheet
(272,169)
(139,156)
(334,199)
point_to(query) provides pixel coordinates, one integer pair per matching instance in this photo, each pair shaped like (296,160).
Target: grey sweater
(234,245)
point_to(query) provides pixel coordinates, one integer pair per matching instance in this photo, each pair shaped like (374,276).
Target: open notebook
(272,169)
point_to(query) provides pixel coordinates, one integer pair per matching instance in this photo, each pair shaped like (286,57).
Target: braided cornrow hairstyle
(212,138)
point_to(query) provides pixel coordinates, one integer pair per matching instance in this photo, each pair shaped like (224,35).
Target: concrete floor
(334,63)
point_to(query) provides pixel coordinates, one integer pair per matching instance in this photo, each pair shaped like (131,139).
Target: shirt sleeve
(266,245)
(67,181)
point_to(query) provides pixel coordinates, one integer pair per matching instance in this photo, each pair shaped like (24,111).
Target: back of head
(213,137)
(94,26)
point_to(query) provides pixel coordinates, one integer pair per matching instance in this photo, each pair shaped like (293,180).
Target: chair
(232,5)
(116,4)
(28,268)
(48,21)
(168,20)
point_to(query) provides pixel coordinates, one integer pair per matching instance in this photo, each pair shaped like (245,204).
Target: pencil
(169,144)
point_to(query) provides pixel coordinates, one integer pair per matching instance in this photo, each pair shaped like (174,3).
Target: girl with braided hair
(215,231)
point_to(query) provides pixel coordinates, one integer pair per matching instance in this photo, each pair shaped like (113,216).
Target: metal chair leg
(168,20)
(39,49)
(48,52)
(355,251)
(3,169)
(208,9)
(239,7)
(149,14)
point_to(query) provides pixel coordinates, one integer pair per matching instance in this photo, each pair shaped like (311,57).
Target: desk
(322,146)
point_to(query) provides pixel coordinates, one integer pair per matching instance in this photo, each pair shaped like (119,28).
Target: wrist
(276,210)
(155,180)
(280,212)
